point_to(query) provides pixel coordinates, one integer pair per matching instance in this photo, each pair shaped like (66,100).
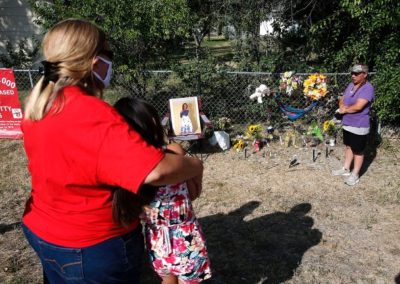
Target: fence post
(30,78)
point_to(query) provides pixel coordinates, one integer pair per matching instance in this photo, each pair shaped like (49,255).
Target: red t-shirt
(75,157)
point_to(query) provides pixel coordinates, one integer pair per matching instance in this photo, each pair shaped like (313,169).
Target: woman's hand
(195,186)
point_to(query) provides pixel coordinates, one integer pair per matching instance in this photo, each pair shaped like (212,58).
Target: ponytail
(44,92)
(69,48)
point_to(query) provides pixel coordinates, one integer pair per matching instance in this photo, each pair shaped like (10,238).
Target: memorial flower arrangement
(289,83)
(254,131)
(315,131)
(329,127)
(315,86)
(223,124)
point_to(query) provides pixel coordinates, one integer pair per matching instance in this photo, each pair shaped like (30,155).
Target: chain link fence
(223,94)
(226,94)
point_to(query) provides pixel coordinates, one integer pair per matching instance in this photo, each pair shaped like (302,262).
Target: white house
(266,28)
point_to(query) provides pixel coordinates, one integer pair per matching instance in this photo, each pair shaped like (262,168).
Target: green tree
(204,15)
(245,18)
(365,31)
(293,20)
(359,31)
(141,31)
(21,57)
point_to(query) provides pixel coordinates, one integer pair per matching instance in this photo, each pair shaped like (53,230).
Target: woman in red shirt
(79,149)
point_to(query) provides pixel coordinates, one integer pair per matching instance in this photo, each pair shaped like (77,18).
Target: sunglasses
(356,73)
(107,53)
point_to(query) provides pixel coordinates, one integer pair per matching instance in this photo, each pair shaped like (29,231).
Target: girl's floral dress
(174,239)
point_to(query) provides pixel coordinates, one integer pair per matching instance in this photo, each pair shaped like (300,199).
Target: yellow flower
(307,83)
(326,125)
(329,127)
(287,74)
(239,145)
(315,86)
(254,131)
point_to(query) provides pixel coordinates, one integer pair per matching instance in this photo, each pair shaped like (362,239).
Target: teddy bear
(261,91)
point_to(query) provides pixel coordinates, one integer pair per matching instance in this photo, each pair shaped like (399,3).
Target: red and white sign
(10,107)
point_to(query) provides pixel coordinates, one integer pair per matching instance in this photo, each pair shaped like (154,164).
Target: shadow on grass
(370,152)
(266,249)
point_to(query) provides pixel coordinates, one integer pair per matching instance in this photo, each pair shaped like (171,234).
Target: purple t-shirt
(361,118)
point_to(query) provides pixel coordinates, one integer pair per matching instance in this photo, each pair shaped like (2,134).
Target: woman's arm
(195,183)
(176,148)
(174,169)
(358,106)
(341,101)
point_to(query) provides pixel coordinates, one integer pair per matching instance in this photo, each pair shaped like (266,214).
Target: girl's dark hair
(144,119)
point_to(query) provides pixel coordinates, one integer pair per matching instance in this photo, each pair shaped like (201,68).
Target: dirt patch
(264,222)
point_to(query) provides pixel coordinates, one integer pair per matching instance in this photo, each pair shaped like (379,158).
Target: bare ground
(264,222)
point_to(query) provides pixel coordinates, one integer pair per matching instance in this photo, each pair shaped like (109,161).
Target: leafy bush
(386,83)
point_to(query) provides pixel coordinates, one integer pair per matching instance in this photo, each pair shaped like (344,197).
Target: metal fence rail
(224,94)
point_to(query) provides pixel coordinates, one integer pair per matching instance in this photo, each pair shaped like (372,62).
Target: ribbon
(50,71)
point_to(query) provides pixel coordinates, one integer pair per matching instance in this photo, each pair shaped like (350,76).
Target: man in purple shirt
(355,106)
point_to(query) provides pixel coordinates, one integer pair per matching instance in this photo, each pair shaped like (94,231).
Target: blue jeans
(117,260)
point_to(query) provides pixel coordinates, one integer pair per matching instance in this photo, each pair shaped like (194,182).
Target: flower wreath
(315,86)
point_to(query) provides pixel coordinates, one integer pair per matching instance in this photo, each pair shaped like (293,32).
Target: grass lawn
(220,47)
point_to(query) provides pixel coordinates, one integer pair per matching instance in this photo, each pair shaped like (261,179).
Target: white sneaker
(352,180)
(341,172)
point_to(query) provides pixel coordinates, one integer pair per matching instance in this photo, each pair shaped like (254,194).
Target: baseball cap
(358,68)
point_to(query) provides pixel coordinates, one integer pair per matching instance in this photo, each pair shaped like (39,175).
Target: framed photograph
(185,116)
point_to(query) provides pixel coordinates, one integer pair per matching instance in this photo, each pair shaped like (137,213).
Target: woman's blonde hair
(68,48)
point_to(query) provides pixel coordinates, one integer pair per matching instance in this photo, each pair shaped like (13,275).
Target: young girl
(174,239)
(187,126)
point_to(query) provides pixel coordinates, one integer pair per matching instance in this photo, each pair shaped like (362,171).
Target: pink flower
(174,215)
(166,213)
(179,200)
(154,237)
(179,244)
(157,263)
(170,259)
(187,229)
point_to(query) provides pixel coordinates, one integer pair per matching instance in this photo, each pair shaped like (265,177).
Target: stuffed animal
(260,92)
